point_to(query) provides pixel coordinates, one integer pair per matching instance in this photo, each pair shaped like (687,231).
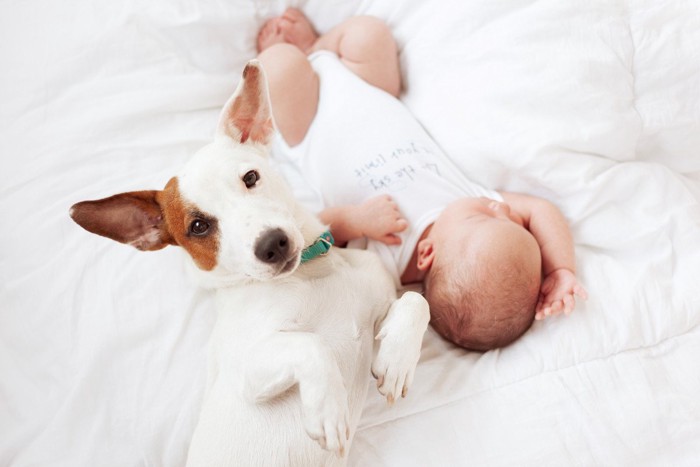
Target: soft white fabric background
(594,105)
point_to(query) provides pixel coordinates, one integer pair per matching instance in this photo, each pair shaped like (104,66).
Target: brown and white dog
(294,342)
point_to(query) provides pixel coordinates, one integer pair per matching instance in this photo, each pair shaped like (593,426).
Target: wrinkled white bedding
(594,105)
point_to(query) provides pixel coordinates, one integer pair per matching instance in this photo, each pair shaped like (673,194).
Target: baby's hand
(379,218)
(557,294)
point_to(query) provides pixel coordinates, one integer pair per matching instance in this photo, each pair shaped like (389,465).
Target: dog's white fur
(294,344)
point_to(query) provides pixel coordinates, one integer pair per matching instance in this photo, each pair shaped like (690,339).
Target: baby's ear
(426,254)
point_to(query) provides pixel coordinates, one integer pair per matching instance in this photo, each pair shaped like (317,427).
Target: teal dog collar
(319,248)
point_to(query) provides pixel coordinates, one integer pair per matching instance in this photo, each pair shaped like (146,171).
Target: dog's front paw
(395,366)
(326,419)
(401,336)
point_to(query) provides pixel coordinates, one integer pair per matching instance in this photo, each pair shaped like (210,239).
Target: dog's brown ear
(247,116)
(133,218)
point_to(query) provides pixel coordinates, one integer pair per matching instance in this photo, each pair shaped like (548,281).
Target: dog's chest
(325,306)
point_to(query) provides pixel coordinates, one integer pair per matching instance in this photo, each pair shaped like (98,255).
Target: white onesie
(363,142)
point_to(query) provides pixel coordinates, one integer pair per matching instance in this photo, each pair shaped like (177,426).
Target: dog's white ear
(247,115)
(133,218)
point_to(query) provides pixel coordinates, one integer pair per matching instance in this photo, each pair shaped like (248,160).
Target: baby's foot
(291,28)
(270,34)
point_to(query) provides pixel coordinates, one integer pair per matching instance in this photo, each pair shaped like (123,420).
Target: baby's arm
(377,218)
(551,230)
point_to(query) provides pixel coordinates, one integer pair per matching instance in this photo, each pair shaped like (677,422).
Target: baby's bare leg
(366,46)
(364,43)
(293,90)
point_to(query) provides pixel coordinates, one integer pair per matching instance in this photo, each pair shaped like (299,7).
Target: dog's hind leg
(284,359)
(401,335)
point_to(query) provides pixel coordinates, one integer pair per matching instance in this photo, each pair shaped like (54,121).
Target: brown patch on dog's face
(195,231)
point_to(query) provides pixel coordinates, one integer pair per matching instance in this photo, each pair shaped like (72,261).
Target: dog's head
(227,208)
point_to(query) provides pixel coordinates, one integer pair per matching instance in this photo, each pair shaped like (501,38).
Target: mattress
(593,105)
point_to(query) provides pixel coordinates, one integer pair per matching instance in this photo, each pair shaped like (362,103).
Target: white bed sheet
(593,105)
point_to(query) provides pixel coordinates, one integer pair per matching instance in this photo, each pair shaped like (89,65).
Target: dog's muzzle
(272,247)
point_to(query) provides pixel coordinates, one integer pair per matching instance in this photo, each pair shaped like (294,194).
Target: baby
(479,254)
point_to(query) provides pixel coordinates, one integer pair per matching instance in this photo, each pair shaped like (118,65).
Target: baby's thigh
(293,88)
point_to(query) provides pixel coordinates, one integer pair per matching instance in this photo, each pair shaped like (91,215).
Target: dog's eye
(251,178)
(199,227)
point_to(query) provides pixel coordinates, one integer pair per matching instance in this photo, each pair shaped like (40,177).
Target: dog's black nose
(272,246)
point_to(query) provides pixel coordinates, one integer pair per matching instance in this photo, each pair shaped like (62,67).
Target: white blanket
(594,105)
